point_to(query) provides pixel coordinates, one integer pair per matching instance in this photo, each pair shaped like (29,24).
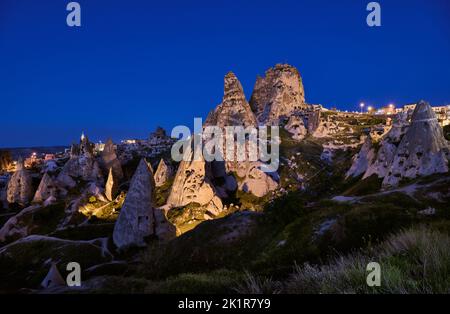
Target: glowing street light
(361,105)
(369,109)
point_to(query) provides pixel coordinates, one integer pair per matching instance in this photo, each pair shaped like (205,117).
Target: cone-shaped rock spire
(20,186)
(136,221)
(234,109)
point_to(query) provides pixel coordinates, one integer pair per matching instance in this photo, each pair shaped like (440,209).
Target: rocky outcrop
(363,159)
(296,127)
(327,128)
(407,150)
(53,278)
(158,137)
(20,186)
(81,165)
(20,225)
(5,160)
(48,187)
(163,173)
(254,180)
(112,186)
(313,118)
(24,262)
(278,95)
(388,146)
(137,221)
(164,230)
(109,160)
(423,150)
(234,109)
(192,184)
(35,219)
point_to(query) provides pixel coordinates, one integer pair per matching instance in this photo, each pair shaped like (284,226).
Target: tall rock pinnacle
(109,160)
(111,186)
(47,188)
(234,109)
(136,220)
(20,186)
(163,173)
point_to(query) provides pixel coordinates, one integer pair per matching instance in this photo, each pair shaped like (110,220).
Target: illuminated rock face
(192,185)
(422,151)
(5,160)
(407,150)
(278,95)
(112,186)
(47,188)
(163,173)
(388,147)
(254,180)
(296,127)
(234,109)
(136,221)
(363,159)
(20,186)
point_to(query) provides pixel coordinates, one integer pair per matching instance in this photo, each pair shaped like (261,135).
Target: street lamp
(361,105)
(369,109)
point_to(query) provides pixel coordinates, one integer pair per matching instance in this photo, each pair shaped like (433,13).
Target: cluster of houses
(442,112)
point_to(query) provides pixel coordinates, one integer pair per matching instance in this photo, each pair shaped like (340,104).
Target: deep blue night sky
(134,64)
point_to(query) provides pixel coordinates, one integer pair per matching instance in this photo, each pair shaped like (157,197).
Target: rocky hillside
(407,151)
(346,183)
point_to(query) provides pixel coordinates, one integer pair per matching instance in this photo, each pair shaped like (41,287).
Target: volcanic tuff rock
(234,109)
(112,186)
(81,165)
(110,161)
(5,160)
(388,146)
(313,118)
(408,151)
(20,186)
(47,188)
(163,173)
(20,225)
(422,151)
(53,278)
(363,159)
(296,126)
(256,181)
(137,220)
(278,94)
(192,184)
(327,128)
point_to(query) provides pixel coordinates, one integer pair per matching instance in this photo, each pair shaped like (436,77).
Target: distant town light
(362,106)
